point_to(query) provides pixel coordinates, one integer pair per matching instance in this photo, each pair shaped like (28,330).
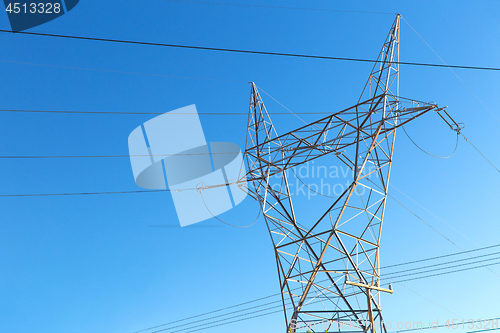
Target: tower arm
(330,135)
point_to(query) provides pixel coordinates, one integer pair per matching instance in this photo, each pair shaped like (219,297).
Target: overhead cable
(242,51)
(197,317)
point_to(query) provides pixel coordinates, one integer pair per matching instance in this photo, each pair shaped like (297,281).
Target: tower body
(327,256)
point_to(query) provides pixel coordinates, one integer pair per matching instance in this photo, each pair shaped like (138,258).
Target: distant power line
(146,113)
(282,7)
(81,193)
(221,49)
(444,273)
(250,310)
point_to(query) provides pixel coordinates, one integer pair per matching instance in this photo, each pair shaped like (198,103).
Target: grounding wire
(436,269)
(451,69)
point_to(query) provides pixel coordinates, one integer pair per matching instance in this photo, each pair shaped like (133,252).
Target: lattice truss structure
(328,259)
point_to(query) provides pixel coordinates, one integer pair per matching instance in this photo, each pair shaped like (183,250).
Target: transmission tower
(328,259)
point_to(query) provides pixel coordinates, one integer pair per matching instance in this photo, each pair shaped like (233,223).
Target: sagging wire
(443,157)
(452,124)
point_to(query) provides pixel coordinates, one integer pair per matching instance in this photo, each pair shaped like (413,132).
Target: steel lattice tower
(328,260)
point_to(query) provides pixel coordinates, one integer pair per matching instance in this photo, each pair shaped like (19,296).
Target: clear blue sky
(118,263)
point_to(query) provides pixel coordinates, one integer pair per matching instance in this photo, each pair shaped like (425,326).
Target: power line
(121,72)
(443,256)
(416,145)
(108,156)
(222,320)
(458,77)
(234,321)
(489,329)
(255,52)
(450,67)
(278,301)
(446,263)
(207,48)
(237,316)
(280,7)
(82,193)
(199,320)
(449,240)
(437,217)
(148,113)
(214,311)
(431,301)
(487,159)
(436,269)
(430,226)
(261,310)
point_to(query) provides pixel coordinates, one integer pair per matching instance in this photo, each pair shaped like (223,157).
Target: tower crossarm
(331,135)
